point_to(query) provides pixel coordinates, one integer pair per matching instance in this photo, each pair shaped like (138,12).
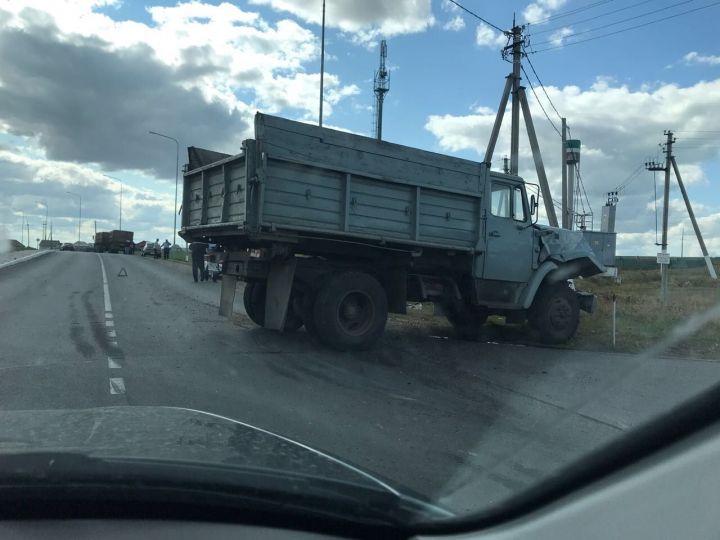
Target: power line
(571,12)
(546,30)
(542,86)
(627,29)
(478,16)
(630,179)
(539,102)
(696,131)
(641,15)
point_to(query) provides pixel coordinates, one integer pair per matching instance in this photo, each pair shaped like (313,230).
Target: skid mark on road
(77,334)
(114,353)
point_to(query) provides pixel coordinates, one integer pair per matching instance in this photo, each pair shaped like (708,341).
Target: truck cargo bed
(295,177)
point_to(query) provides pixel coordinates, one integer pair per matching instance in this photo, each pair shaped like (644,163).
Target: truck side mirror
(533,205)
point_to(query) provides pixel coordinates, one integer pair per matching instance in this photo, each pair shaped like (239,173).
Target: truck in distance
(333,230)
(113,242)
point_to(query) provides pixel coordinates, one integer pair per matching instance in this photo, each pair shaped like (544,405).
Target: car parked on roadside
(151,249)
(67,246)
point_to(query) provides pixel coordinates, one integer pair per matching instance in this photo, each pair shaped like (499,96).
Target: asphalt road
(465,423)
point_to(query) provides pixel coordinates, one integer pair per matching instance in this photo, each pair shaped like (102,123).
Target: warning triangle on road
(122,272)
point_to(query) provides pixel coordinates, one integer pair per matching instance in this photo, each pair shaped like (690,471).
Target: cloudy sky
(82,82)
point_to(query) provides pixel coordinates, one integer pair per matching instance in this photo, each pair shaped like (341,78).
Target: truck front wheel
(254,301)
(555,313)
(350,311)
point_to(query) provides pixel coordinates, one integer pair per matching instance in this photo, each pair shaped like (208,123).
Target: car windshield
(308,237)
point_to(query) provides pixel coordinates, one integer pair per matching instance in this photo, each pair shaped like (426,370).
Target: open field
(642,319)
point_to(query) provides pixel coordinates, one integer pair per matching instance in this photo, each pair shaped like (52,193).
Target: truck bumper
(587,301)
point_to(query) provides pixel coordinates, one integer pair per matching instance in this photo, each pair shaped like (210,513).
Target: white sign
(663,258)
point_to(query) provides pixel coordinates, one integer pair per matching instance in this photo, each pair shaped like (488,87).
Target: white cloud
(77,87)
(365,21)
(455,24)
(557,38)
(697,58)
(539,10)
(147,211)
(487,37)
(620,129)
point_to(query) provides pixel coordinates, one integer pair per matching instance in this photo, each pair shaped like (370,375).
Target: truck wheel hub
(355,313)
(559,313)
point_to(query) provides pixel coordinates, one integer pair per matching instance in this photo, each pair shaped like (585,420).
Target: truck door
(508,234)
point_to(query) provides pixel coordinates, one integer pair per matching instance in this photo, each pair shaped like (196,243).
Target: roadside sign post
(663,259)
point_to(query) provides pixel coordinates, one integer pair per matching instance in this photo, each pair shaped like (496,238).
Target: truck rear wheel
(350,311)
(466,321)
(555,313)
(254,301)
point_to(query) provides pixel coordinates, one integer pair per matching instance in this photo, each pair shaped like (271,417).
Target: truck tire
(466,321)
(350,311)
(254,301)
(555,313)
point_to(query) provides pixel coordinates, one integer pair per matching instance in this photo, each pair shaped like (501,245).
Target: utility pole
(666,208)
(512,84)
(688,206)
(381,87)
(322,65)
(572,158)
(517,42)
(682,243)
(177,165)
(563,170)
(663,258)
(28,233)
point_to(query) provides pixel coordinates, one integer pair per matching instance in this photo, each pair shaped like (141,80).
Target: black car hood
(172,434)
(167,435)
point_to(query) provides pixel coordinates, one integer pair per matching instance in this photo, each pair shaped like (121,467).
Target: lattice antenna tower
(381,86)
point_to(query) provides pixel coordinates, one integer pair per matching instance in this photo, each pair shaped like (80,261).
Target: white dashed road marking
(112,364)
(117,384)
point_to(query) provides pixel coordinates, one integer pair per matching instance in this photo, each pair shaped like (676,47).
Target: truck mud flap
(587,301)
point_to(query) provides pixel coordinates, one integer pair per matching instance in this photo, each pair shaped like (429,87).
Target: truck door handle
(494,234)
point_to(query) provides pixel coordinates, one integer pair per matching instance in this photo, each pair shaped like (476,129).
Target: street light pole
(79,212)
(177,161)
(121,194)
(44,203)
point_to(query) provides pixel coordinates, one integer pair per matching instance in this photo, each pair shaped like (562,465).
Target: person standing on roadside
(197,249)
(166,249)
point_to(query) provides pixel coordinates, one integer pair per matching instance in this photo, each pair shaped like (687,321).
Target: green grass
(641,319)
(179,255)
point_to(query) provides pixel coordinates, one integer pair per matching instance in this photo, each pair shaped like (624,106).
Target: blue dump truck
(333,230)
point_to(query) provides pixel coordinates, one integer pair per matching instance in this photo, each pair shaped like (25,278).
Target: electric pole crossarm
(542,178)
(498,120)
(708,261)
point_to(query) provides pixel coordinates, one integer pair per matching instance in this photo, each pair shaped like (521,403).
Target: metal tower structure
(381,86)
(519,103)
